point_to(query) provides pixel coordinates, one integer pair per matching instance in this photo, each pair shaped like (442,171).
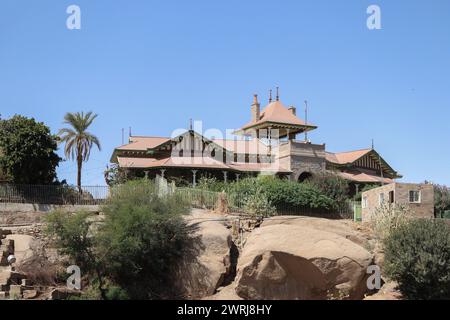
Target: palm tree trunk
(80,165)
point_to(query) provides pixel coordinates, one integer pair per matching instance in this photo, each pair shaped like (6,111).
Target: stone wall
(302,157)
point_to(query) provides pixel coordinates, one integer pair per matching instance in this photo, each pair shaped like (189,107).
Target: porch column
(146,174)
(162,173)
(357,188)
(225,176)
(237,176)
(194,178)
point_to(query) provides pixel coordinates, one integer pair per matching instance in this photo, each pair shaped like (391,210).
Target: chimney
(293,110)
(256,109)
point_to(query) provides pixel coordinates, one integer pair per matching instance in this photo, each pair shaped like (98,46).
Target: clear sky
(152,65)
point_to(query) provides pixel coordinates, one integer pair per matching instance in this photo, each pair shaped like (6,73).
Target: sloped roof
(362,177)
(346,157)
(276,112)
(143,143)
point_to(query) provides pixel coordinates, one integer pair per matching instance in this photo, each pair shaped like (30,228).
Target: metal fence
(196,197)
(53,194)
(204,199)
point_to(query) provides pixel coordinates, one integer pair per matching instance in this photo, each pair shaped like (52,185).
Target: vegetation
(280,193)
(441,199)
(417,256)
(27,152)
(258,205)
(331,185)
(131,252)
(79,141)
(388,218)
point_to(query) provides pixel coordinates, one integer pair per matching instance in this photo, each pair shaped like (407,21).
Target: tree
(79,141)
(441,199)
(27,151)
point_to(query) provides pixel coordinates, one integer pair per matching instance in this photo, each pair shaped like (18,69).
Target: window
(414,196)
(364,203)
(391,197)
(381,199)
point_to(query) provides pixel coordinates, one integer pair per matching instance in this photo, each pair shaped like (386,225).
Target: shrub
(331,185)
(388,217)
(257,205)
(417,256)
(131,252)
(143,235)
(441,199)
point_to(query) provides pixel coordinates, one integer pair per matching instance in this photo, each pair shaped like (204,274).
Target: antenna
(270,95)
(129,132)
(278,95)
(373,145)
(190,124)
(306,120)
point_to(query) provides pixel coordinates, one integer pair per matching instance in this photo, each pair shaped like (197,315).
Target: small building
(419,198)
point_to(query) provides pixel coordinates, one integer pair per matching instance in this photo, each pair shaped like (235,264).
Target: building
(418,198)
(267,144)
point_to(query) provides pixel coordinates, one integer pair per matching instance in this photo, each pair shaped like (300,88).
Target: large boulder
(208,262)
(304,259)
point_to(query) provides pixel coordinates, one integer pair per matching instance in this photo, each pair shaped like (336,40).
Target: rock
(62,294)
(22,246)
(204,269)
(15,291)
(387,292)
(299,260)
(3,295)
(225,294)
(29,294)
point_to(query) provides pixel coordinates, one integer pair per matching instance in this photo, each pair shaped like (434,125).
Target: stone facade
(399,193)
(302,158)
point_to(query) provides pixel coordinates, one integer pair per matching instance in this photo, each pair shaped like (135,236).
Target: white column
(237,176)
(194,178)
(225,176)
(162,173)
(146,174)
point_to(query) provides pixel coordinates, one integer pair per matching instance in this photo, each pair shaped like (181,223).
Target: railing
(204,199)
(53,194)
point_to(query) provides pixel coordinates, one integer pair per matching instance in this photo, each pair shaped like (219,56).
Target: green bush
(257,205)
(131,252)
(441,200)
(417,256)
(142,237)
(331,185)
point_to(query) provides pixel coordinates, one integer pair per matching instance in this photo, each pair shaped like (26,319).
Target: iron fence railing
(200,198)
(53,194)
(196,197)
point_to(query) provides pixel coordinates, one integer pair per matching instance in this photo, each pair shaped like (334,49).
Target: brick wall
(424,209)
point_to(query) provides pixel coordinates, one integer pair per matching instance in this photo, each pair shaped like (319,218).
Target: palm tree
(78,140)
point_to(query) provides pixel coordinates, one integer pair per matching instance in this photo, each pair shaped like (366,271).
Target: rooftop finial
(278,95)
(373,145)
(270,95)
(190,124)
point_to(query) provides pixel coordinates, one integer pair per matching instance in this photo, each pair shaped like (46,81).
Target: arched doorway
(305,176)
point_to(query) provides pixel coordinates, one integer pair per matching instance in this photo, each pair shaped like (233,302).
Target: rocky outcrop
(303,258)
(208,263)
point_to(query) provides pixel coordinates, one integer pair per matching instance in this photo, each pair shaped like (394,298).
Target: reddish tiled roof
(362,177)
(276,112)
(346,157)
(143,143)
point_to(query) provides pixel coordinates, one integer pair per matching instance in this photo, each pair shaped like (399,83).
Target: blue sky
(152,65)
